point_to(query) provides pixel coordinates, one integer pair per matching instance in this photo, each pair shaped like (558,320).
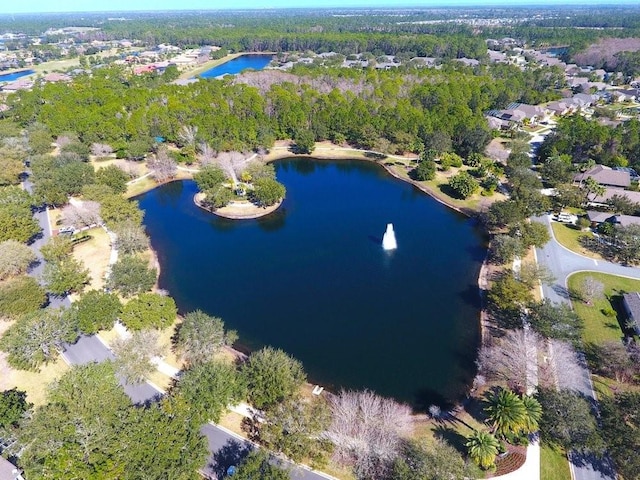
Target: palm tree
(534,413)
(507,412)
(483,448)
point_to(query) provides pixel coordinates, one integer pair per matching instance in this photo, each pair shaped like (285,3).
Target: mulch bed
(513,460)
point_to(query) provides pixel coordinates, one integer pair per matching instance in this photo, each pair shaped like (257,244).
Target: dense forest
(388,111)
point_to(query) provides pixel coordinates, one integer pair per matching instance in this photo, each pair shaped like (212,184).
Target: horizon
(125,6)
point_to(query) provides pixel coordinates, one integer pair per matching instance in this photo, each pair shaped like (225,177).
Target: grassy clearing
(598,327)
(568,235)
(35,383)
(95,255)
(553,464)
(232,421)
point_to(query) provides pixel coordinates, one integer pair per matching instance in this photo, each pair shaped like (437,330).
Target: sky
(33,6)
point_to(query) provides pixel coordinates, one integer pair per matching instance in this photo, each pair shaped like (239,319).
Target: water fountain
(389,238)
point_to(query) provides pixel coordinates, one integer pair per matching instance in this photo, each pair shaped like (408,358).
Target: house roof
(632,304)
(609,193)
(606,176)
(7,470)
(598,217)
(626,220)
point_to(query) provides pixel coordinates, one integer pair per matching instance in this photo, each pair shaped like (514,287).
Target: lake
(10,77)
(313,279)
(237,65)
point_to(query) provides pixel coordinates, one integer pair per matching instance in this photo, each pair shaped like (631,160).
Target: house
(606,176)
(561,107)
(631,303)
(609,193)
(517,113)
(56,77)
(8,471)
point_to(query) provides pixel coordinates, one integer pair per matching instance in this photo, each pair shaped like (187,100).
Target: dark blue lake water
(313,279)
(10,77)
(255,62)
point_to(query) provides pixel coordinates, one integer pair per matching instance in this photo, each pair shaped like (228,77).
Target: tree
(469,139)
(532,275)
(65,276)
(591,187)
(505,248)
(113,177)
(507,412)
(434,462)
(483,448)
(131,275)
(134,355)
(15,258)
(96,310)
(37,338)
(367,430)
(200,336)
(257,170)
(437,141)
(82,214)
(130,237)
(163,168)
(463,185)
(508,358)
(219,197)
(508,293)
(304,141)
(272,376)
(57,249)
(425,170)
(294,428)
(13,406)
(621,431)
(534,413)
(209,388)
(268,191)
(115,209)
(590,290)
(149,310)
(557,170)
(17,223)
(505,212)
(567,421)
(11,166)
(555,320)
(21,295)
(76,434)
(257,466)
(615,360)
(532,234)
(209,177)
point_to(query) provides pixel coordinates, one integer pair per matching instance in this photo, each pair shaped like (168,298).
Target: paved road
(562,262)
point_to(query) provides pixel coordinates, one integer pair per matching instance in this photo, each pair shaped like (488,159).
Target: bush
(149,310)
(608,312)
(425,170)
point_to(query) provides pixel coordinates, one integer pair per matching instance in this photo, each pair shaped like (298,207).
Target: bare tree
(131,168)
(366,430)
(188,135)
(559,366)
(532,274)
(590,290)
(232,163)
(82,214)
(101,149)
(508,358)
(616,360)
(162,166)
(65,139)
(207,154)
(134,355)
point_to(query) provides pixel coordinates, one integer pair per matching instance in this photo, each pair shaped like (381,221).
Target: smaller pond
(237,65)
(10,77)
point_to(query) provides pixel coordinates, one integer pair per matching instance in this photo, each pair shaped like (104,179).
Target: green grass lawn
(567,236)
(553,464)
(598,327)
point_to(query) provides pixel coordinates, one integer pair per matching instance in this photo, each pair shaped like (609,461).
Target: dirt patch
(94,255)
(603,52)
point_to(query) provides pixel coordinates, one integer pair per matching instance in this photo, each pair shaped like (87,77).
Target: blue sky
(31,6)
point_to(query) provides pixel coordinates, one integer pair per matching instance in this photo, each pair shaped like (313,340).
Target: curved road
(562,262)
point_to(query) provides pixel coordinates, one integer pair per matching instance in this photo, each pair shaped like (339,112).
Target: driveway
(562,263)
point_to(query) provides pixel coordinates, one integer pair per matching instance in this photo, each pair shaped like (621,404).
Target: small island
(237,188)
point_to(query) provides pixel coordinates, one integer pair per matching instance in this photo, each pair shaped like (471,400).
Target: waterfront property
(313,279)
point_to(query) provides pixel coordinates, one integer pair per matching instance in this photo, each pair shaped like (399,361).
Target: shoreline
(253,213)
(328,151)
